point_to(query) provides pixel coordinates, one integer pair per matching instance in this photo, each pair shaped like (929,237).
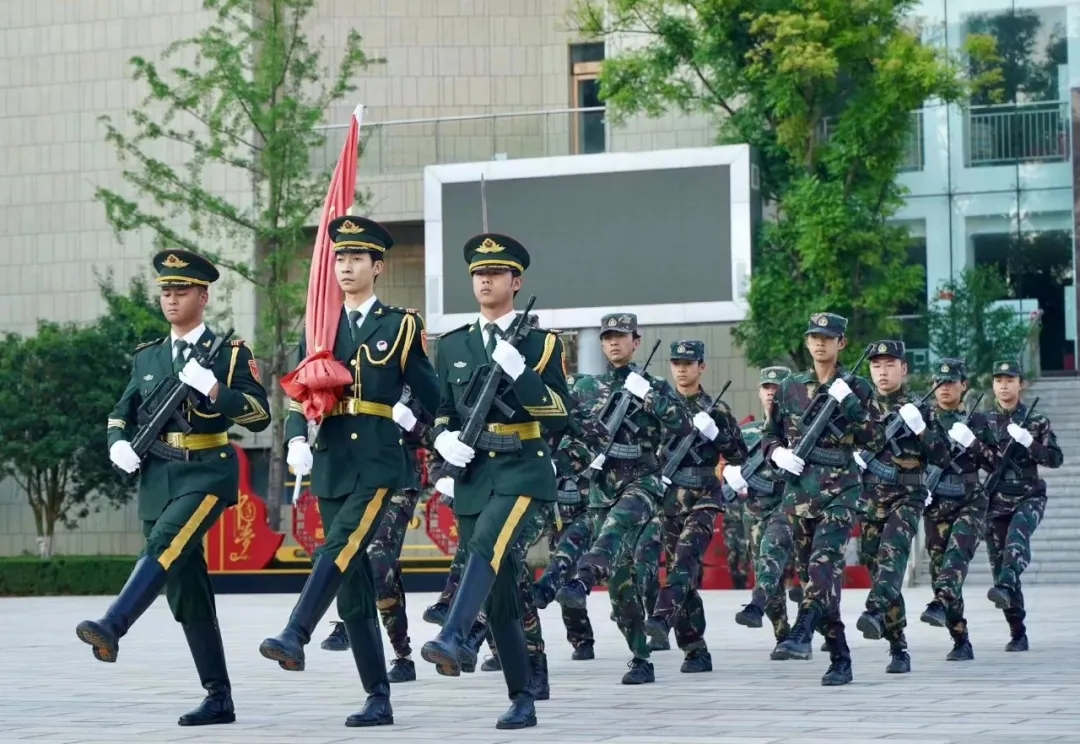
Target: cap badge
(348,227)
(172,262)
(489,246)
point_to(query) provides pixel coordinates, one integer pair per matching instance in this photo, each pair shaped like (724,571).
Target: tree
(249,104)
(825,90)
(56,392)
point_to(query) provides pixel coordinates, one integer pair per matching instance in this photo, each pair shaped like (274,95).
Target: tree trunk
(37,503)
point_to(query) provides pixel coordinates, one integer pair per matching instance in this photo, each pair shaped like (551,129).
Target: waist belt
(693,477)
(624,452)
(1023,476)
(833,457)
(357,407)
(507,437)
(956,485)
(878,472)
(195,442)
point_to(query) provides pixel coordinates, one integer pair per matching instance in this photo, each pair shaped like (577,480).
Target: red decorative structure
(441,525)
(242,540)
(307,526)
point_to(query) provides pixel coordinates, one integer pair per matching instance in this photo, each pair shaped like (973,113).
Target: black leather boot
(208,653)
(797,644)
(584,652)
(514,655)
(961,651)
(367,650)
(539,686)
(899,661)
(445,650)
(470,649)
(751,615)
(934,614)
(287,648)
(839,672)
(142,588)
(338,640)
(872,625)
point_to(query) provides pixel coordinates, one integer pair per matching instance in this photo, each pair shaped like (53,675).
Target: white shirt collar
(192,336)
(503,322)
(365,308)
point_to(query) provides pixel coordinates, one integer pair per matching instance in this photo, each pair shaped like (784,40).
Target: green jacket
(365,451)
(241,401)
(539,396)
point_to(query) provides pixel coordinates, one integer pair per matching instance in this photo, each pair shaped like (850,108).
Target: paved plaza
(53,691)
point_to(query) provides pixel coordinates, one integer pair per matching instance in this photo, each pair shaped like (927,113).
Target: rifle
(675,455)
(895,426)
(934,473)
(162,406)
(823,418)
(483,390)
(619,407)
(994,479)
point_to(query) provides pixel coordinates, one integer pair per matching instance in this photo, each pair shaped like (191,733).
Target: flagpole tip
(358,112)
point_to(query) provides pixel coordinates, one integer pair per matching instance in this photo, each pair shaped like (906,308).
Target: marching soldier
(824,492)
(358,461)
(501,491)
(893,480)
(1019,500)
(767,524)
(737,543)
(956,515)
(181,495)
(690,507)
(627,489)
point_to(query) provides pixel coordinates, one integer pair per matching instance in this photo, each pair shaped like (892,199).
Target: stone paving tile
(55,693)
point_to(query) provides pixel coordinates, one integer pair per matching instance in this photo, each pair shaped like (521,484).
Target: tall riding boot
(367,650)
(208,653)
(287,648)
(445,650)
(514,654)
(142,588)
(797,644)
(470,649)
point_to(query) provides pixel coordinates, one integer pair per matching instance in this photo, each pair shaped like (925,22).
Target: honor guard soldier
(508,472)
(358,460)
(186,480)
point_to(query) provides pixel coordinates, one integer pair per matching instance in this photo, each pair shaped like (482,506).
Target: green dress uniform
(359,461)
(509,479)
(180,499)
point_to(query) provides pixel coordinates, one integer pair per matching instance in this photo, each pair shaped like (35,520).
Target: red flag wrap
(319,379)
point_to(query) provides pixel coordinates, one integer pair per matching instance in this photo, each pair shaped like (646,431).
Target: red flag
(319,379)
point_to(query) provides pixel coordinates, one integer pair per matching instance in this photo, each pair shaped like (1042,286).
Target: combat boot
(795,593)
(543,592)
(662,644)
(962,650)
(143,586)
(641,672)
(697,661)
(872,625)
(839,672)
(287,648)
(514,655)
(900,661)
(367,649)
(657,629)
(208,653)
(777,654)
(445,650)
(583,652)
(797,644)
(934,614)
(401,670)
(751,615)
(491,663)
(436,614)
(1000,596)
(539,686)
(575,594)
(338,640)
(1017,643)
(470,650)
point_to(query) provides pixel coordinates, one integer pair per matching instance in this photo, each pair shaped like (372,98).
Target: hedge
(27,576)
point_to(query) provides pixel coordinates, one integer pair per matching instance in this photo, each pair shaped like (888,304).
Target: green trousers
(349,525)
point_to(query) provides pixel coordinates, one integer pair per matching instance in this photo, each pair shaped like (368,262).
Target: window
(587,132)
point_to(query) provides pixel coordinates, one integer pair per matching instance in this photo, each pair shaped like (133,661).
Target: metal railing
(1017,133)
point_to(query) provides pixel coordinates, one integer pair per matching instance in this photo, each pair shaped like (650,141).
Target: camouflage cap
(619,323)
(773,375)
(690,351)
(1008,368)
(893,349)
(827,324)
(950,370)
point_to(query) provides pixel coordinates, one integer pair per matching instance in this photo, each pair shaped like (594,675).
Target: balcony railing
(1017,133)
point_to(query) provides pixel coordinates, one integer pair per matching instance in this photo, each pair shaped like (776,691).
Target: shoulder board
(155,342)
(402,310)
(456,330)
(237,342)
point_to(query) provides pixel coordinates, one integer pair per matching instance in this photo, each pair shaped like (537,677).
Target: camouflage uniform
(826,499)
(692,503)
(1016,505)
(955,519)
(627,488)
(647,566)
(896,497)
(737,543)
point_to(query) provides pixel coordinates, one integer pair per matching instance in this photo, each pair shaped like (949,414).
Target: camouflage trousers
(771,550)
(819,553)
(611,560)
(953,531)
(647,562)
(887,534)
(687,521)
(566,546)
(1008,544)
(737,543)
(384,553)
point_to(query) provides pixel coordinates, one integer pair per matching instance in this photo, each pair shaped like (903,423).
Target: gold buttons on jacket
(353,435)
(491,454)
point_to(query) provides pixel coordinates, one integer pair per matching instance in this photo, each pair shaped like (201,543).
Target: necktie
(354,324)
(493,333)
(178,360)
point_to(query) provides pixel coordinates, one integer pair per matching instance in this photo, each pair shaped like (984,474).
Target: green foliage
(825,90)
(964,324)
(247,108)
(56,391)
(83,575)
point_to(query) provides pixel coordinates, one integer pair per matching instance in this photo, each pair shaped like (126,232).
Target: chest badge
(460,365)
(381,346)
(148,378)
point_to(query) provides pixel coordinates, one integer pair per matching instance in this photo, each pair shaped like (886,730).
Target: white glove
(733,477)
(452,450)
(961,434)
(1020,434)
(839,389)
(299,456)
(403,416)
(910,413)
(196,376)
(598,463)
(859,461)
(929,499)
(637,385)
(445,486)
(784,458)
(124,457)
(705,424)
(509,358)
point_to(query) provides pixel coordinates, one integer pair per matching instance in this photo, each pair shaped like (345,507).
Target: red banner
(242,540)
